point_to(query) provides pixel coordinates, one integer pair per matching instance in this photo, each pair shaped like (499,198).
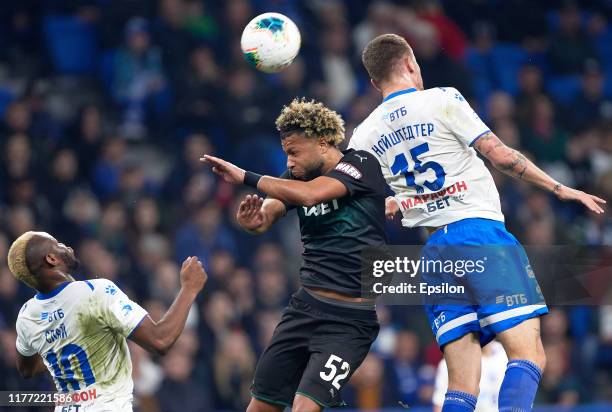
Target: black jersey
(334,233)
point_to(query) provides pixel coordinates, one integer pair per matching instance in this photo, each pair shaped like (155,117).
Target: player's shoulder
(102,286)
(446,94)
(355,156)
(438,93)
(26,310)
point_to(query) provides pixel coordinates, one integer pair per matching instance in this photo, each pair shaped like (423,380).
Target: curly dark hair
(312,118)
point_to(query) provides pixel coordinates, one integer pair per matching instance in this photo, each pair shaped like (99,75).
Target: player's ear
(52,259)
(410,64)
(323,145)
(375,85)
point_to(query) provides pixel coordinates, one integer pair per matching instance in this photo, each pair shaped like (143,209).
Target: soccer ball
(270,42)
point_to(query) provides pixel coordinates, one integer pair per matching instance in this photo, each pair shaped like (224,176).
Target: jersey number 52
(333,370)
(400,165)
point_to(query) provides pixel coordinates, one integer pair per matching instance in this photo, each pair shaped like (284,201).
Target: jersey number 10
(400,165)
(67,376)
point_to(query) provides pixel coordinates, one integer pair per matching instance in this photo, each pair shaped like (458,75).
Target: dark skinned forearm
(289,191)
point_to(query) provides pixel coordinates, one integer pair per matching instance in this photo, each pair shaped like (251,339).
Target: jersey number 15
(400,166)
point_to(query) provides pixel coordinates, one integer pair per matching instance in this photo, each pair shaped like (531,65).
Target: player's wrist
(251,179)
(189,291)
(557,188)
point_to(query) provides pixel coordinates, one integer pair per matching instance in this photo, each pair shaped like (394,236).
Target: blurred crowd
(106,106)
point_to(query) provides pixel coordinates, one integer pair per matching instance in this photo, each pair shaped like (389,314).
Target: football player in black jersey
(328,327)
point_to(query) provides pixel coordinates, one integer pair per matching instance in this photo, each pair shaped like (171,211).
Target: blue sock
(519,387)
(456,401)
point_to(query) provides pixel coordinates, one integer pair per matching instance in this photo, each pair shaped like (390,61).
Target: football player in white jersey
(77,330)
(426,142)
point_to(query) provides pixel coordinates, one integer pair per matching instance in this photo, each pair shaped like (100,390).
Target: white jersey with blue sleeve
(423,142)
(80,331)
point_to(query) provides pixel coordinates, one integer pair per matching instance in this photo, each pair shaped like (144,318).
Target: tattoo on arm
(482,142)
(517,166)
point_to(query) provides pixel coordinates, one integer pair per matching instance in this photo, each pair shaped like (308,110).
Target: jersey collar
(399,92)
(42,296)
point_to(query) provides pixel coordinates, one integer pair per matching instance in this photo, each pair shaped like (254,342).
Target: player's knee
(304,404)
(540,358)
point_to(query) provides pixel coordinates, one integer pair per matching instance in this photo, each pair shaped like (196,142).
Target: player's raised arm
(296,192)
(515,164)
(159,336)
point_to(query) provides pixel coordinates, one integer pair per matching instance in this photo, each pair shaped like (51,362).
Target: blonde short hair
(312,118)
(17,261)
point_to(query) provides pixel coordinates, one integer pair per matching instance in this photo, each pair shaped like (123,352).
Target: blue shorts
(502,295)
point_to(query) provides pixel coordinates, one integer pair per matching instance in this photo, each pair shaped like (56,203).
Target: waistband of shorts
(365,314)
(469,222)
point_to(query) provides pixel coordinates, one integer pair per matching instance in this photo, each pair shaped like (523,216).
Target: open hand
(249,214)
(391,207)
(593,203)
(228,171)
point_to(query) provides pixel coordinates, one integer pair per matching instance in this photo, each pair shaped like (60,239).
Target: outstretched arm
(294,192)
(158,337)
(515,164)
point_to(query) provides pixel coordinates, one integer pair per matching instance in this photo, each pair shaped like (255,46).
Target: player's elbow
(162,345)
(310,201)
(311,197)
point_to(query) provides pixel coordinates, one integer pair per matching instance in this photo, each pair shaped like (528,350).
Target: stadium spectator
(570,47)
(138,79)
(134,209)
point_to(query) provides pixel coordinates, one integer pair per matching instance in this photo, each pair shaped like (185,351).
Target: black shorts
(314,351)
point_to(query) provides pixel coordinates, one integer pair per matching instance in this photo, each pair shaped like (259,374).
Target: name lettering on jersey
(60,332)
(52,316)
(349,169)
(440,197)
(406,133)
(321,209)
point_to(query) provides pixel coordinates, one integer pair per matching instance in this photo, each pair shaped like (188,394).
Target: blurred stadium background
(106,106)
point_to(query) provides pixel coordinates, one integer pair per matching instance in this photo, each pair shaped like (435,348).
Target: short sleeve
(360,172)
(22,344)
(123,314)
(461,119)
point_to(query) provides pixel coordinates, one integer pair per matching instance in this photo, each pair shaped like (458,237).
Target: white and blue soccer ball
(270,42)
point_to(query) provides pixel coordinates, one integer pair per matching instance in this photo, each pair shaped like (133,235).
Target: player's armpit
(29,366)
